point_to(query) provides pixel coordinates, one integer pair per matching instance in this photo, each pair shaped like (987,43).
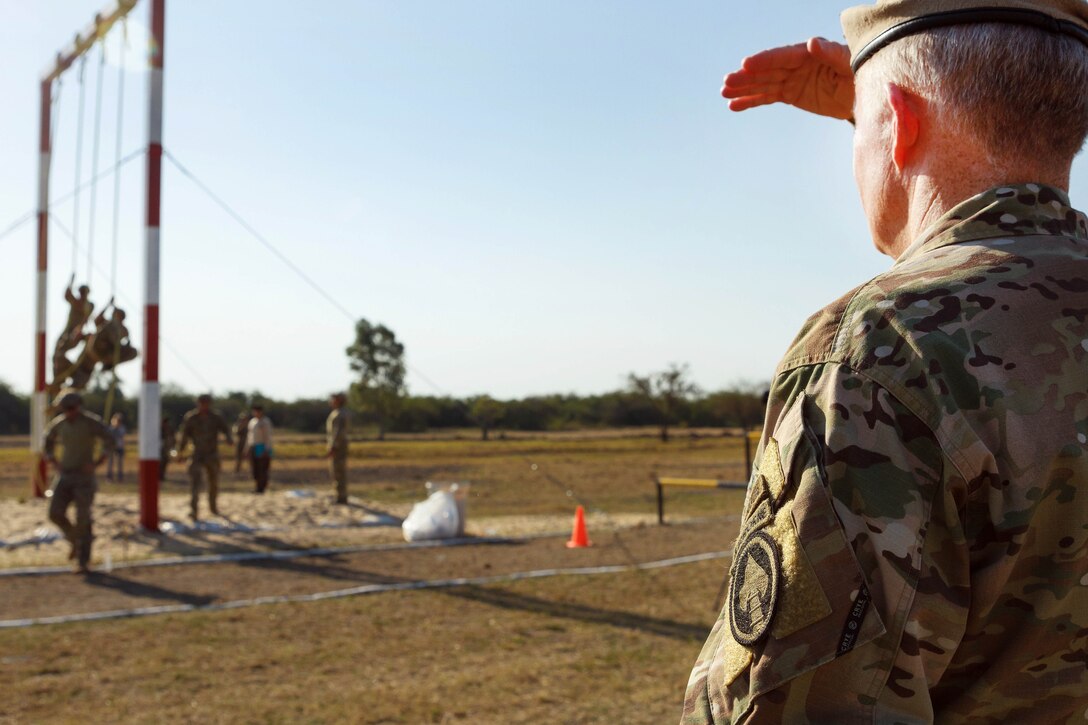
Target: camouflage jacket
(203,431)
(76,438)
(336,432)
(914,546)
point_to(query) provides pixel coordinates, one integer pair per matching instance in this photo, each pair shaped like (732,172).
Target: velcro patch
(770,466)
(803,601)
(753,589)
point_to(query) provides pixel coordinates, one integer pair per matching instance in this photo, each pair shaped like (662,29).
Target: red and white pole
(38,399)
(150,401)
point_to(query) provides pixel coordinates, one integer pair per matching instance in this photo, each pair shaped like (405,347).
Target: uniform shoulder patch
(753,589)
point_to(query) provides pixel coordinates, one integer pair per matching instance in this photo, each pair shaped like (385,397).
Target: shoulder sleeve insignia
(753,591)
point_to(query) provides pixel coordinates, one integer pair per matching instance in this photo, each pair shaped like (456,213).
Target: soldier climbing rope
(105,346)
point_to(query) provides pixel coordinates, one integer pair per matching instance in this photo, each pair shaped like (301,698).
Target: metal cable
(283,258)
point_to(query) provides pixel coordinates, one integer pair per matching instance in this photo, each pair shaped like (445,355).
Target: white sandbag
(436,518)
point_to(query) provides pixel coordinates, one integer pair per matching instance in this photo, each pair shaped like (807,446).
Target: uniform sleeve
(847,586)
(102,432)
(183,435)
(49,441)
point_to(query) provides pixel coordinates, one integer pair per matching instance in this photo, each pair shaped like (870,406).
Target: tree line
(379,398)
(738,406)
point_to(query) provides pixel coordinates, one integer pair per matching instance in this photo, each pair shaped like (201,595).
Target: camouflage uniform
(336,436)
(79,312)
(75,481)
(241,435)
(914,544)
(203,431)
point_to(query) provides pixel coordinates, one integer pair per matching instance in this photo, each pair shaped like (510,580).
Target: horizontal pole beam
(86,39)
(700,483)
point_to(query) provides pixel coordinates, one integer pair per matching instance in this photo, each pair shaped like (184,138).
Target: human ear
(906,115)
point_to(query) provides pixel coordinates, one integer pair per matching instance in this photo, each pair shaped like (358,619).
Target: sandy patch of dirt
(295,519)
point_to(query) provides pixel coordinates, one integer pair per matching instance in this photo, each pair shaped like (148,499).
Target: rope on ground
(570,493)
(362,590)
(280,555)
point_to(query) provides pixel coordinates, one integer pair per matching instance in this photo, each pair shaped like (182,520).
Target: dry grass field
(605,648)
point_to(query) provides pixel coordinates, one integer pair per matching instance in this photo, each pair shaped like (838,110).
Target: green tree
(378,359)
(668,390)
(14,411)
(485,412)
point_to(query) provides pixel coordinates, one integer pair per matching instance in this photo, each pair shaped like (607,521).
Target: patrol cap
(203,398)
(68,401)
(868,28)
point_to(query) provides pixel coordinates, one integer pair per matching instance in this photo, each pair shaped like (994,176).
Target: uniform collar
(1018,210)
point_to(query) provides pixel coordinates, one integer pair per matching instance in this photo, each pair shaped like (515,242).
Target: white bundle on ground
(441,516)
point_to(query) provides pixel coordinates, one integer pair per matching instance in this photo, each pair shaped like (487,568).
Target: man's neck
(931,197)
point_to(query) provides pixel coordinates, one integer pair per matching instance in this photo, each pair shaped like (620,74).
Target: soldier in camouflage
(202,426)
(914,545)
(75,482)
(336,449)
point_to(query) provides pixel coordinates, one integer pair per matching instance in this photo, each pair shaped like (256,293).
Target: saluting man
(913,545)
(75,482)
(336,449)
(202,426)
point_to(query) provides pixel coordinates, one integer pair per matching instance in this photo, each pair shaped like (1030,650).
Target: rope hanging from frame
(79,159)
(94,160)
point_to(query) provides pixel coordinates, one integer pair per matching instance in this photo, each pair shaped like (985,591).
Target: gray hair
(1023,92)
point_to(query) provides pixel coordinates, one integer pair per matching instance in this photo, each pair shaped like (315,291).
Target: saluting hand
(814,76)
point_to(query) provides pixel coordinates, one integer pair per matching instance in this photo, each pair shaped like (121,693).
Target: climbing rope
(117,156)
(79,160)
(94,159)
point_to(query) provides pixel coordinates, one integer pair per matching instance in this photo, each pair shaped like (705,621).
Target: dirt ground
(570,648)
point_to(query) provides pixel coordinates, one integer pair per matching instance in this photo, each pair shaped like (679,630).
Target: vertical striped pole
(38,399)
(150,402)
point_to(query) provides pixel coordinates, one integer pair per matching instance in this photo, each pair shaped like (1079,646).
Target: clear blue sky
(537,196)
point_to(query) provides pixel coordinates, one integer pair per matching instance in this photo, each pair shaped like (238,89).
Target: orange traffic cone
(578,537)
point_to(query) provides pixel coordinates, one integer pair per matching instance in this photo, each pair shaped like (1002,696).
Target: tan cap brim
(868,28)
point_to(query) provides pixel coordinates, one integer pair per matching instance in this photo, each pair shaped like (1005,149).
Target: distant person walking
(336,439)
(166,442)
(202,426)
(259,445)
(117,448)
(241,435)
(74,482)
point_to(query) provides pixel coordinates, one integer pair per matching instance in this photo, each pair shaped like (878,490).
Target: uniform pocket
(797,595)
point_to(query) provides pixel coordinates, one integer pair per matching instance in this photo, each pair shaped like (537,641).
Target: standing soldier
(75,482)
(336,437)
(241,438)
(202,426)
(913,546)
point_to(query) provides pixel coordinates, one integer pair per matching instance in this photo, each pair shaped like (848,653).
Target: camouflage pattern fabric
(336,432)
(336,441)
(203,431)
(77,440)
(923,484)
